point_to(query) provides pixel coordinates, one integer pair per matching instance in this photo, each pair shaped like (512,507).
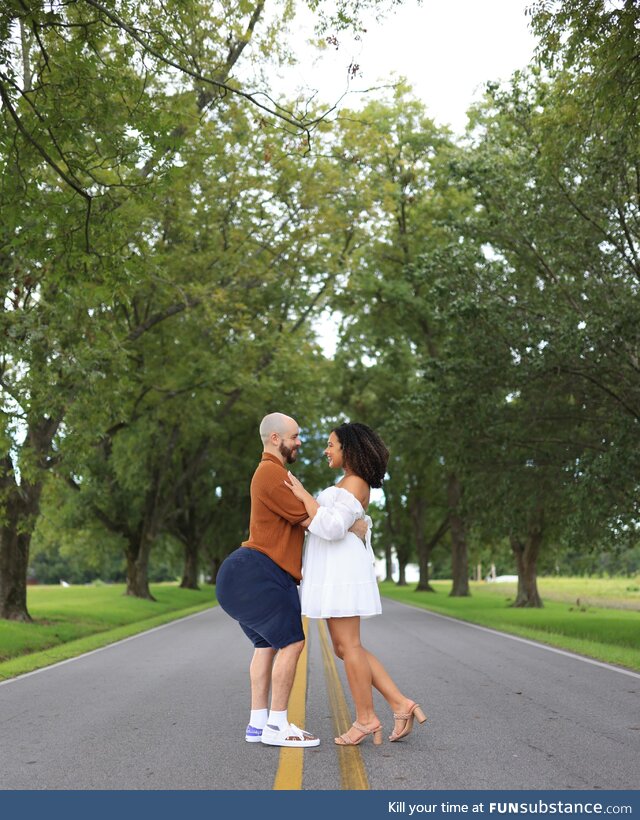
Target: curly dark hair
(363,451)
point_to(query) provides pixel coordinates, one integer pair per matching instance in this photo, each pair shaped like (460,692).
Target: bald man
(258,586)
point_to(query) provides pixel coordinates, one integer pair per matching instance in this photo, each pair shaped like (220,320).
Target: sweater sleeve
(283,502)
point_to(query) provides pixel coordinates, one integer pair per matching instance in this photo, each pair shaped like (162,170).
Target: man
(257,586)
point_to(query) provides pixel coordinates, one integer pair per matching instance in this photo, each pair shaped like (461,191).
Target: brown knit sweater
(275,517)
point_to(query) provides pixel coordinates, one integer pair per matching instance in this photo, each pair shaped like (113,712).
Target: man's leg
(260,676)
(283,673)
(278,731)
(264,599)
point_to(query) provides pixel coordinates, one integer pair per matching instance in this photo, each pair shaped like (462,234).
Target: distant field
(614,593)
(77,619)
(599,618)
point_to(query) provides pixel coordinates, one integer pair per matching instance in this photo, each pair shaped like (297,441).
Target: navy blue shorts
(262,597)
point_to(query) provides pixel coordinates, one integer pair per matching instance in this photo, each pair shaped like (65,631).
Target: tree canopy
(172,230)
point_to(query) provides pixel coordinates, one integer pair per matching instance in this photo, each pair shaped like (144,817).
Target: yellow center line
(290,766)
(353,775)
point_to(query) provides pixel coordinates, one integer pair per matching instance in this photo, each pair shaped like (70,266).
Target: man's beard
(288,453)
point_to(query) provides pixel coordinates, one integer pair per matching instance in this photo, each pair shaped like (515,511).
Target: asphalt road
(167,710)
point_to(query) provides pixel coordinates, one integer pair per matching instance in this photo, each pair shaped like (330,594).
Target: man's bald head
(280,435)
(277,423)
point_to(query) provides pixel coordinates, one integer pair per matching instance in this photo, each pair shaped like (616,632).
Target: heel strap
(347,741)
(364,729)
(405,715)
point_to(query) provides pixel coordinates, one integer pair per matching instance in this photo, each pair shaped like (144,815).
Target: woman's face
(333,452)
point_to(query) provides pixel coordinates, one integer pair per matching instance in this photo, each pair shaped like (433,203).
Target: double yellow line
(291,764)
(290,772)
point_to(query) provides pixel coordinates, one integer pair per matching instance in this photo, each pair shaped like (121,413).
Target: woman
(338,576)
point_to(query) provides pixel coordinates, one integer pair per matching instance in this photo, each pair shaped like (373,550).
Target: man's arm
(283,503)
(359,527)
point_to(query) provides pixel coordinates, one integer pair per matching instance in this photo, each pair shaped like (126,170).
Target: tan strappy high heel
(414,711)
(345,740)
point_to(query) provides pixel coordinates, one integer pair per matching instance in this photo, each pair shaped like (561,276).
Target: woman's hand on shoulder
(295,485)
(356,486)
(311,505)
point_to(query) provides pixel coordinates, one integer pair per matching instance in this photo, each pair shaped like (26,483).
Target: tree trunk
(138,551)
(388,562)
(140,543)
(190,571)
(391,531)
(14,559)
(417,509)
(216,562)
(423,566)
(526,555)
(138,568)
(186,529)
(20,505)
(459,550)
(402,566)
(424,556)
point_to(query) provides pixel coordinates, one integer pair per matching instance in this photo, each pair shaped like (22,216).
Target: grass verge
(609,635)
(72,620)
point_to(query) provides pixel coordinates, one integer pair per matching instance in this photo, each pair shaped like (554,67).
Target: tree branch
(604,388)
(276,111)
(47,158)
(172,310)
(439,533)
(4,97)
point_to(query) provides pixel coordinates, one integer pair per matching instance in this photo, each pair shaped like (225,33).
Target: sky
(447,49)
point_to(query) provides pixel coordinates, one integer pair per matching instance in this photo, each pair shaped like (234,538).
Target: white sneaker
(289,735)
(252,735)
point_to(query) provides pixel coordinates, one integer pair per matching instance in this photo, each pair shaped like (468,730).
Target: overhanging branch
(276,111)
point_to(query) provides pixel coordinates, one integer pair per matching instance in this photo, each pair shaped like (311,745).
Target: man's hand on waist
(359,528)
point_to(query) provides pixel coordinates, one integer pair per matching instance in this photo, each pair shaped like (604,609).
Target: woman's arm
(358,527)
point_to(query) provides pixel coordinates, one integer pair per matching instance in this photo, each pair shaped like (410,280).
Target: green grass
(611,593)
(71,620)
(607,634)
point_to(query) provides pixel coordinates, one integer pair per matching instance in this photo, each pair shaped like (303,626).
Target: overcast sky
(447,49)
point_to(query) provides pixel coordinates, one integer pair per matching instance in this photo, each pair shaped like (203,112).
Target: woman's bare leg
(385,684)
(345,635)
(379,677)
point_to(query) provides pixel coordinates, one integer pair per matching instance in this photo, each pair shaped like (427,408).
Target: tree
(552,165)
(398,168)
(84,290)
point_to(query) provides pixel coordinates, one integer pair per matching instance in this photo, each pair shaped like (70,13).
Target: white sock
(278,719)
(258,718)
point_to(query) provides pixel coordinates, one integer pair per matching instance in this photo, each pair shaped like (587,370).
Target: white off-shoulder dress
(338,569)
